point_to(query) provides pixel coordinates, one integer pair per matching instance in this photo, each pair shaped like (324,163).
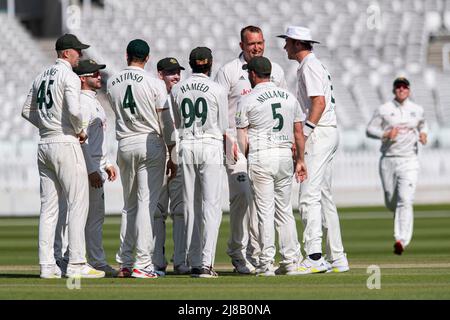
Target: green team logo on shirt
(191,110)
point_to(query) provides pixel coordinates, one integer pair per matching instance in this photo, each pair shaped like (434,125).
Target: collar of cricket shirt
(89,93)
(398,104)
(64,62)
(201,75)
(263,85)
(242,59)
(311,55)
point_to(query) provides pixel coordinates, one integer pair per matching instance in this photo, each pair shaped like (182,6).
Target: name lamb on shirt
(271,95)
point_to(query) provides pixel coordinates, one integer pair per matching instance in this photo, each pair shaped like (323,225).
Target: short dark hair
(200,69)
(249,29)
(308,45)
(262,75)
(136,59)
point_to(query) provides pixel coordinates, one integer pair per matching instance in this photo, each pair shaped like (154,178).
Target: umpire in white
(316,206)
(400,125)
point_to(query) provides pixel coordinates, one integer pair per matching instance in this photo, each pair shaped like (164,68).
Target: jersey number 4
(42,95)
(190,111)
(128,101)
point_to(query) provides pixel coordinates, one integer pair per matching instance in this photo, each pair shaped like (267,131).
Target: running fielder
(243,246)
(268,118)
(316,206)
(200,111)
(98,166)
(53,106)
(169,70)
(143,128)
(400,125)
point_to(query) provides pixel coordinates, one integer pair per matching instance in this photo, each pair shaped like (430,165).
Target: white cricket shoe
(308,266)
(265,271)
(83,271)
(145,273)
(50,271)
(340,265)
(243,266)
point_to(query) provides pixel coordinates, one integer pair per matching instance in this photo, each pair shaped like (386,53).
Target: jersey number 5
(128,100)
(190,111)
(277,116)
(42,96)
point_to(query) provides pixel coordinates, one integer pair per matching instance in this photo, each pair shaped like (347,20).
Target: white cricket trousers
(141,160)
(243,241)
(171,196)
(201,162)
(271,173)
(94,228)
(316,203)
(63,175)
(399,179)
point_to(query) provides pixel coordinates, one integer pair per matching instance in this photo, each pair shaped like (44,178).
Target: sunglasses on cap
(95,74)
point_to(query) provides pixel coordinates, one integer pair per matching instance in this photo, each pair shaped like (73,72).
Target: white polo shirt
(315,80)
(409,117)
(236,83)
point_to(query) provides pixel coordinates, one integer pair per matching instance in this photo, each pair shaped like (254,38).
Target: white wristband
(308,128)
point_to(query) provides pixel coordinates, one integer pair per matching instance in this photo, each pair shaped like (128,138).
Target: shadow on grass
(18,275)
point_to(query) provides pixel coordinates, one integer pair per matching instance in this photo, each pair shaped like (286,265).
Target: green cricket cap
(260,65)
(168,64)
(200,56)
(401,80)
(88,67)
(138,48)
(69,41)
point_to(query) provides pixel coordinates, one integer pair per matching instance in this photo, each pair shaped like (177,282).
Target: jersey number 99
(190,111)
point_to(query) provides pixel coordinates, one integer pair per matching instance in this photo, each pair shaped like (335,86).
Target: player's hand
(111,171)
(82,137)
(301,173)
(391,134)
(235,152)
(423,138)
(95,180)
(171,170)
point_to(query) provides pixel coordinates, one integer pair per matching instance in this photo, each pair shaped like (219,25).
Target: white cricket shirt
(269,112)
(53,104)
(95,148)
(135,97)
(200,108)
(409,117)
(235,81)
(315,80)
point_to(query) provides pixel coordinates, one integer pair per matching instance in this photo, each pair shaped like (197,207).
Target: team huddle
(175,138)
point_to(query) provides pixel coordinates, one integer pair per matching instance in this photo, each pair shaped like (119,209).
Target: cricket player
(99,169)
(243,246)
(53,106)
(169,70)
(316,206)
(143,128)
(400,125)
(267,120)
(200,109)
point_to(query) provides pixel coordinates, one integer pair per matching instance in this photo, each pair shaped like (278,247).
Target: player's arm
(242,125)
(29,109)
(95,179)
(167,128)
(423,130)
(223,79)
(72,96)
(315,92)
(375,128)
(300,167)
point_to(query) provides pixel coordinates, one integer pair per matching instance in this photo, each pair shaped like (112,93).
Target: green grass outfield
(422,272)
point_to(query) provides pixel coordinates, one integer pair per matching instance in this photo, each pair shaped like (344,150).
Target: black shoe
(208,272)
(195,272)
